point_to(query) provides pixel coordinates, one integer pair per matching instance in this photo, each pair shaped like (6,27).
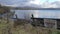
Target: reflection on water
(38,13)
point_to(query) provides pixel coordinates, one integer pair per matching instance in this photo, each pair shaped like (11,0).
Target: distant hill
(33,8)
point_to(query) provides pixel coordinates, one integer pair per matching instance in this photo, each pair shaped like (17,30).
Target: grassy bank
(8,28)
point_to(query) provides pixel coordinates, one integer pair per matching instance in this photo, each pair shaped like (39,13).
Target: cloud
(10,2)
(32,3)
(55,4)
(35,2)
(15,2)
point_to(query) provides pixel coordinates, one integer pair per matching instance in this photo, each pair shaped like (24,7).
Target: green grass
(25,29)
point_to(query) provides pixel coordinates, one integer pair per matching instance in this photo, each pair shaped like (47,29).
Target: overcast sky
(27,2)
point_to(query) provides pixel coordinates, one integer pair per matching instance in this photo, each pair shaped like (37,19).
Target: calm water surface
(38,13)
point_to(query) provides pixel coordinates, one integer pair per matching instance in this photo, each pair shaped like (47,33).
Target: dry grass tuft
(7,28)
